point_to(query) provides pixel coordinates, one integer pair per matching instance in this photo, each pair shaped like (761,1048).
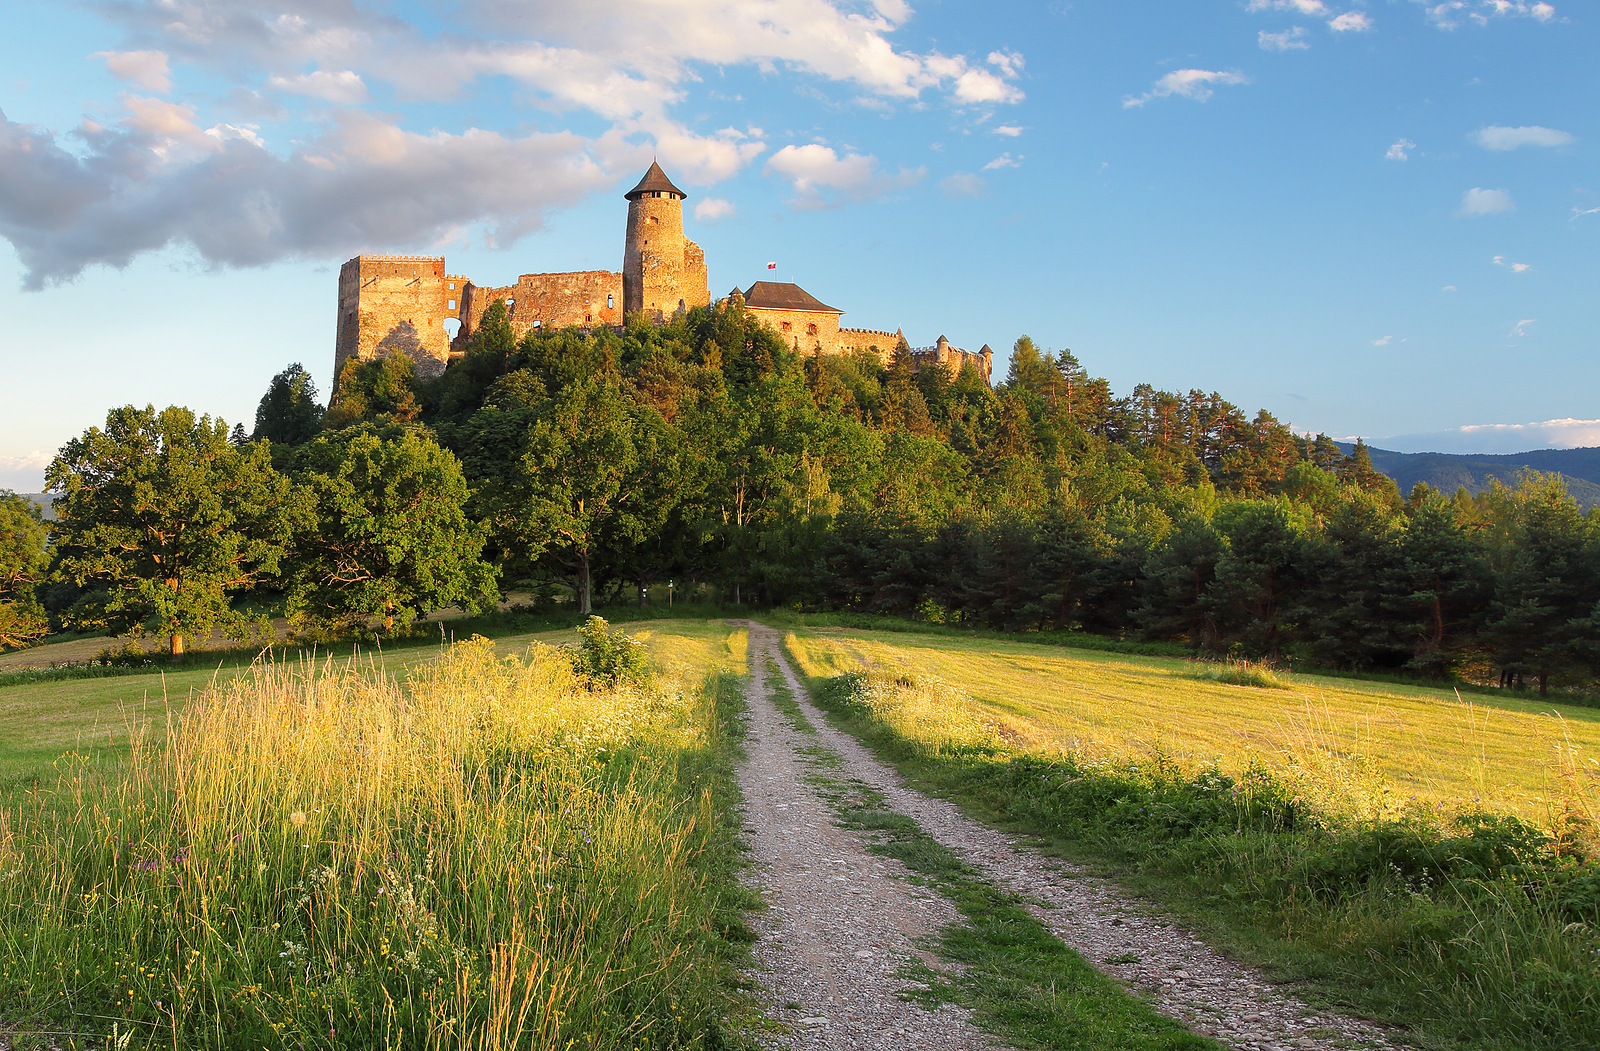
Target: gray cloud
(363,185)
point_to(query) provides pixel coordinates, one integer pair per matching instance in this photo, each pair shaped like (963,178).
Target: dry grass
(1379,744)
(491,855)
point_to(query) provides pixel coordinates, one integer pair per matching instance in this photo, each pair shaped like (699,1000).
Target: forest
(709,456)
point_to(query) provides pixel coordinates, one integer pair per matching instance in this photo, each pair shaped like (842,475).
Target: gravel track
(1181,976)
(840,921)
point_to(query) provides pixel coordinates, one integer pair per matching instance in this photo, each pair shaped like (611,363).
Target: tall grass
(496,856)
(1474,928)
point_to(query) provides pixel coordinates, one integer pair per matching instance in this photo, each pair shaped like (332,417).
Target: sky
(1374,219)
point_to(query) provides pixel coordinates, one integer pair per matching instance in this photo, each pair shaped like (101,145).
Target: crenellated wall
(394,304)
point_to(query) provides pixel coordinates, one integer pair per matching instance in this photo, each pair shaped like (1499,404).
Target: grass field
(1380,743)
(1277,820)
(41,721)
(477,847)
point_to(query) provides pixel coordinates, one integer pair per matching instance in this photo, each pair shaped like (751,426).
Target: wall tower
(663,272)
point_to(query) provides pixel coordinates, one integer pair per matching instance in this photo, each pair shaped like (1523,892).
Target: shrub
(610,656)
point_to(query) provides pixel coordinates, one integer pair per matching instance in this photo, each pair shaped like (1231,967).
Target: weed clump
(1242,673)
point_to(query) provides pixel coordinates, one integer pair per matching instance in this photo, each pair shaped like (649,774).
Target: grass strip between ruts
(1021,982)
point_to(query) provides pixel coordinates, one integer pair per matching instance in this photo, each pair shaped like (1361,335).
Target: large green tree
(172,520)
(23,556)
(390,537)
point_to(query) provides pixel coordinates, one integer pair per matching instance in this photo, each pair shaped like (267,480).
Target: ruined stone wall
(583,299)
(394,305)
(662,271)
(853,339)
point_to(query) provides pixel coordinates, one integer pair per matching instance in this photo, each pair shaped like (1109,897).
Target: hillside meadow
(1371,746)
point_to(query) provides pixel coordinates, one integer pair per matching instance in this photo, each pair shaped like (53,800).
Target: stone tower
(663,272)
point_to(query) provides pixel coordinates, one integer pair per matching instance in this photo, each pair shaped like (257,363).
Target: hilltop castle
(393,304)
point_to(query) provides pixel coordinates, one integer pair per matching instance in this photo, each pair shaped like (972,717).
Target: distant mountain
(1448,472)
(45,502)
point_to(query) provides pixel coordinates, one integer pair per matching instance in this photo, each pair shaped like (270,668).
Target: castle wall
(662,271)
(394,304)
(582,299)
(806,329)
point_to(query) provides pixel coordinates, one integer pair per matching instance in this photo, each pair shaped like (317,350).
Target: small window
(811,330)
(588,319)
(785,326)
(680,304)
(452,286)
(452,304)
(655,221)
(537,323)
(609,303)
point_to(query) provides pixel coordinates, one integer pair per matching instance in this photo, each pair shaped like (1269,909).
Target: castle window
(785,326)
(452,304)
(588,319)
(655,221)
(452,286)
(811,330)
(609,303)
(680,304)
(537,323)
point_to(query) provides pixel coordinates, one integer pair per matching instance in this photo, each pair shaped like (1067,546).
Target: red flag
(772,266)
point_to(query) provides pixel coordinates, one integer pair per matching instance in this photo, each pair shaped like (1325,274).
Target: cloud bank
(159,173)
(1499,438)
(1500,139)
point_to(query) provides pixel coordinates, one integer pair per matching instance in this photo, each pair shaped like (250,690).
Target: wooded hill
(708,452)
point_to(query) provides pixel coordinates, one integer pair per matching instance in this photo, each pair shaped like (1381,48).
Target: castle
(400,304)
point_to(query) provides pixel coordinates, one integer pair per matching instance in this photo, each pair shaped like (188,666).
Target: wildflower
(297,818)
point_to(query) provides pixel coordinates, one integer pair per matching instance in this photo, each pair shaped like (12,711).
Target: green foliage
(381,391)
(389,538)
(289,413)
(24,554)
(172,520)
(610,656)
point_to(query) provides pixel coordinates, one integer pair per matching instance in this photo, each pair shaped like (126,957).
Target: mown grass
(1380,744)
(1470,927)
(495,853)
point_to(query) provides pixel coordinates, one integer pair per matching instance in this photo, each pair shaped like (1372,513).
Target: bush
(610,656)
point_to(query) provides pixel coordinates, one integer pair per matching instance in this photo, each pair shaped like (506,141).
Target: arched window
(609,303)
(811,330)
(680,304)
(654,220)
(784,327)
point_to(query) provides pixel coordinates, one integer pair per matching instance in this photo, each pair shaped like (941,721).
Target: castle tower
(663,272)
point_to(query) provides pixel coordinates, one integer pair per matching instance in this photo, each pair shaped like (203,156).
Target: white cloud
(821,177)
(1305,7)
(1005,160)
(710,209)
(148,69)
(247,132)
(1478,201)
(1189,83)
(1397,152)
(1350,22)
(1497,138)
(1518,268)
(1451,13)
(1521,327)
(344,86)
(1448,288)
(1578,213)
(1288,40)
(1382,342)
(963,184)
(1009,130)
(1492,438)
(36,460)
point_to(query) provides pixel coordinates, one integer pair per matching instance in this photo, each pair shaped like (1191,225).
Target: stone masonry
(399,304)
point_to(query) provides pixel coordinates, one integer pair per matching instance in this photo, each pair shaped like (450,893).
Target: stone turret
(663,272)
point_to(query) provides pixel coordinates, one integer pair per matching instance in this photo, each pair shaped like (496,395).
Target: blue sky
(1375,219)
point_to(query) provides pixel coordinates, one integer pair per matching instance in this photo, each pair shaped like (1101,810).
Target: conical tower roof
(655,180)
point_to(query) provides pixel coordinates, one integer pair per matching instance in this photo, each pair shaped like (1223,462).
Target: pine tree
(288,413)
